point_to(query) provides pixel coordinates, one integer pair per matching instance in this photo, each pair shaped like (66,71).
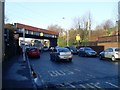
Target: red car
(33,52)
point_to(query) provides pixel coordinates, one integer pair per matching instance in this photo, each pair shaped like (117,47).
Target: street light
(67,37)
(23,44)
(67,34)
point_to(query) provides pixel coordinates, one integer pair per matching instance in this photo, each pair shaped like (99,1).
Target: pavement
(16,74)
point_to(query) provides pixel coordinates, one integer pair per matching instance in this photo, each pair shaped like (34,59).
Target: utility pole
(2,46)
(118,24)
(67,34)
(67,38)
(23,45)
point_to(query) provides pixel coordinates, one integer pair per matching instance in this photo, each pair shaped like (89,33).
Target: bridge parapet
(35,31)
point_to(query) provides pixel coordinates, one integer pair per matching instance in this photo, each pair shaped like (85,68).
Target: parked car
(72,49)
(51,48)
(111,53)
(33,52)
(101,55)
(60,53)
(86,51)
(45,48)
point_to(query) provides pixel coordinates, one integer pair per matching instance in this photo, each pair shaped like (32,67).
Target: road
(82,72)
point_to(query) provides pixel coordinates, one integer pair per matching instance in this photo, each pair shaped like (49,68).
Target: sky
(44,14)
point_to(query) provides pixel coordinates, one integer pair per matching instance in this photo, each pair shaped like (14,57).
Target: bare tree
(57,28)
(83,25)
(77,23)
(107,24)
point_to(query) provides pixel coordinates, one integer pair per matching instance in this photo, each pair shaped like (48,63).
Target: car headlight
(71,50)
(89,52)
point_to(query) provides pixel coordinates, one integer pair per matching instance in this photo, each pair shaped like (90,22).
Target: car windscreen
(33,49)
(88,49)
(73,48)
(117,49)
(63,50)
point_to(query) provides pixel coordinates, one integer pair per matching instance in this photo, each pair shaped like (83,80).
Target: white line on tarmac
(82,86)
(71,85)
(90,86)
(53,73)
(61,85)
(91,75)
(95,85)
(62,72)
(77,69)
(112,84)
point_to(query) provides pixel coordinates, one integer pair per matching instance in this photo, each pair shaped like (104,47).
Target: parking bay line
(112,84)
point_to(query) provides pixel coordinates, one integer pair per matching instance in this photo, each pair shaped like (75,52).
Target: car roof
(59,47)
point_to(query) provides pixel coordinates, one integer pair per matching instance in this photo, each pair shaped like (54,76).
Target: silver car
(59,54)
(112,53)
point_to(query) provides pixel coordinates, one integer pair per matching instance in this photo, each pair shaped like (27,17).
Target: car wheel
(113,58)
(55,59)
(38,56)
(70,60)
(85,55)
(100,57)
(51,58)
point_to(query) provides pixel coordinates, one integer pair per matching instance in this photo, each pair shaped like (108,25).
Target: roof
(32,28)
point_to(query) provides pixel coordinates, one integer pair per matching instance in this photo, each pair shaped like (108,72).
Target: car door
(110,53)
(81,50)
(106,52)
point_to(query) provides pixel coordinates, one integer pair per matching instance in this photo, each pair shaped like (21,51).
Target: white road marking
(90,86)
(62,72)
(52,73)
(56,73)
(96,85)
(82,86)
(61,85)
(91,75)
(77,69)
(112,84)
(70,72)
(71,85)
(59,73)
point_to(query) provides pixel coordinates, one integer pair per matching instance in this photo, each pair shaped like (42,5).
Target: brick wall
(109,44)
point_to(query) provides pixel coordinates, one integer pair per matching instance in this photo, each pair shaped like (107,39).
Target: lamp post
(23,44)
(67,34)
